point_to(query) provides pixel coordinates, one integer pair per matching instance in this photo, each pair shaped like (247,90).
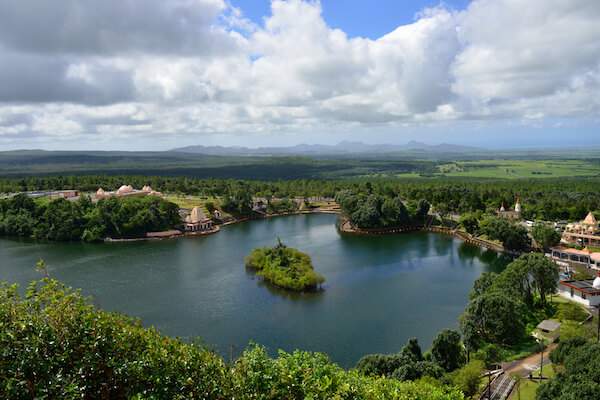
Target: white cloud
(86,69)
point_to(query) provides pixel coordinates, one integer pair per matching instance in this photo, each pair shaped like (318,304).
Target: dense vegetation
(370,211)
(273,166)
(285,267)
(55,344)
(64,220)
(578,362)
(444,363)
(556,199)
(502,305)
(511,235)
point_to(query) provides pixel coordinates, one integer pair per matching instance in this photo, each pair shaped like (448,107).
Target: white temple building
(197,221)
(126,191)
(516,214)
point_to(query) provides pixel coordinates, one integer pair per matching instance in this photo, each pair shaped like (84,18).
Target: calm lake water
(379,290)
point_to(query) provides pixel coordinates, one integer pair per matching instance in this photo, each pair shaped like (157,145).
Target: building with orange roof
(574,256)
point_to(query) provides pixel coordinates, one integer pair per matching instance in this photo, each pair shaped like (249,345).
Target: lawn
(189,202)
(528,387)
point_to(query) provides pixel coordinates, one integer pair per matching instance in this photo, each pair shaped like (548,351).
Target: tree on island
(285,267)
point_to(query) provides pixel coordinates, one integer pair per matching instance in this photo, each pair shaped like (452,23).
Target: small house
(549,330)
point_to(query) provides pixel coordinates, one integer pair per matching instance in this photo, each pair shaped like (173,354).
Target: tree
(493,317)
(468,377)
(481,284)
(442,209)
(469,222)
(511,236)
(517,378)
(422,208)
(545,236)
(210,206)
(527,274)
(446,350)
(581,376)
(516,238)
(413,349)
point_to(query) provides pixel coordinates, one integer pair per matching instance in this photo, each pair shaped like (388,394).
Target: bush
(285,267)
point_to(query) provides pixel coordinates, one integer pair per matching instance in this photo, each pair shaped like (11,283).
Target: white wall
(565,291)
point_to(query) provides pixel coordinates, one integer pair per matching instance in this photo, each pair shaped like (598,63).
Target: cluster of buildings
(585,234)
(126,191)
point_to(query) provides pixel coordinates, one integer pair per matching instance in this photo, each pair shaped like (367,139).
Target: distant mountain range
(344,147)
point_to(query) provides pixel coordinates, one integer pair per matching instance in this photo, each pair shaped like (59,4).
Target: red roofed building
(583,291)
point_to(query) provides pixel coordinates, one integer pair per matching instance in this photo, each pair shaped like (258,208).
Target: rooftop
(590,219)
(583,285)
(549,325)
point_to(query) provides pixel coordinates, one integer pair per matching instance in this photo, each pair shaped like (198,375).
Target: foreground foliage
(55,344)
(503,305)
(579,371)
(285,267)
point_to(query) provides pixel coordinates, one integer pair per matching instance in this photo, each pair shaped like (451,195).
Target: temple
(127,191)
(516,214)
(584,233)
(197,221)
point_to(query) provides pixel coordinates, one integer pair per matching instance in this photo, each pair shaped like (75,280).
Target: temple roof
(590,219)
(197,215)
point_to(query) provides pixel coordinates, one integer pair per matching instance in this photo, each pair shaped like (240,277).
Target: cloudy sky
(158,74)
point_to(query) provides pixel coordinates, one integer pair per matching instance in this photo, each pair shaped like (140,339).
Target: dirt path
(527,365)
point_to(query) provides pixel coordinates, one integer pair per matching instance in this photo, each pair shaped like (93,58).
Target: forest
(64,220)
(557,199)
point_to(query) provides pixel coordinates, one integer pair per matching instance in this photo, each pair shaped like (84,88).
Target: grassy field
(189,202)
(361,166)
(528,387)
(518,169)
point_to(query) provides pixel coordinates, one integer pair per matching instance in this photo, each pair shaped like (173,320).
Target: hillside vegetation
(55,344)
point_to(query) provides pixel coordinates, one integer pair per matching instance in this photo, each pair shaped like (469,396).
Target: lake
(379,290)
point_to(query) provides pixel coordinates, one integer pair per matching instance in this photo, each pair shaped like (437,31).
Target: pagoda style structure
(516,214)
(197,221)
(584,233)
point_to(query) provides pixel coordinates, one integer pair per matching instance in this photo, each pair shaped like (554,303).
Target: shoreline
(343,227)
(175,234)
(462,235)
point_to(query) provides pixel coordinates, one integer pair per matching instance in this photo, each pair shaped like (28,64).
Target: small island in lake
(285,267)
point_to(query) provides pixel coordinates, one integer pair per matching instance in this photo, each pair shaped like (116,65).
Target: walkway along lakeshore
(343,227)
(466,237)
